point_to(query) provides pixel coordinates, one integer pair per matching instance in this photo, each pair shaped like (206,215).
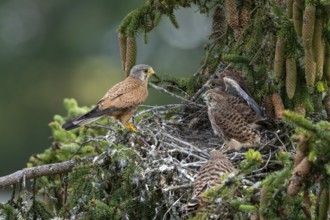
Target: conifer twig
(174,95)
(167,92)
(173,188)
(39,171)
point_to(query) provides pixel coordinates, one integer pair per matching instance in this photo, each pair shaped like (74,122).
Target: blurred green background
(53,49)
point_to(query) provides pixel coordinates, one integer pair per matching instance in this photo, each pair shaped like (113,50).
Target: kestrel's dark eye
(145,71)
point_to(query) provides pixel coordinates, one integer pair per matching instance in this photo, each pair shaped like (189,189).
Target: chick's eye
(145,71)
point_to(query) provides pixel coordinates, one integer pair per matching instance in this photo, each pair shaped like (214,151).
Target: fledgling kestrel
(229,123)
(121,101)
(208,177)
(233,83)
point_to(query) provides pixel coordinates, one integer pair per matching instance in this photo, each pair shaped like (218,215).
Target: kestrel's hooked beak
(151,71)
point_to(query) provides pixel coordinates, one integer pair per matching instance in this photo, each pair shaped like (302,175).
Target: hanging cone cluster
(237,20)
(298,177)
(128,51)
(122,49)
(232,14)
(308,26)
(219,24)
(278,105)
(269,108)
(298,16)
(302,146)
(318,46)
(302,165)
(279,59)
(289,6)
(308,23)
(244,19)
(310,67)
(131,51)
(291,76)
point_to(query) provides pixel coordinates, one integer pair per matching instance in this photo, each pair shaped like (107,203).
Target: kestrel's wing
(242,93)
(127,94)
(234,75)
(240,105)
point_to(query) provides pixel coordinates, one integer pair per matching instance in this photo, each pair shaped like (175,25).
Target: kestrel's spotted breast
(228,122)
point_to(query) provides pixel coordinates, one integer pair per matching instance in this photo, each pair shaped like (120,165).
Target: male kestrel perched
(121,101)
(208,177)
(229,123)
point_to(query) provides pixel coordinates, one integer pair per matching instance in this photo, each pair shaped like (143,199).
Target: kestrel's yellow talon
(132,127)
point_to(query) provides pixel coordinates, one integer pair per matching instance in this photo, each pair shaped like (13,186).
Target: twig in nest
(169,209)
(265,166)
(161,107)
(185,143)
(173,95)
(173,188)
(182,150)
(167,92)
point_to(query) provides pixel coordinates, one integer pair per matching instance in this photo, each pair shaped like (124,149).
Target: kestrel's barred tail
(208,177)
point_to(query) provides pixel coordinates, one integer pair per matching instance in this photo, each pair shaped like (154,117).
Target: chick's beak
(205,97)
(151,71)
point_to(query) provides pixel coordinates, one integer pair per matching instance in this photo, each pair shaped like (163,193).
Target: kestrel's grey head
(142,71)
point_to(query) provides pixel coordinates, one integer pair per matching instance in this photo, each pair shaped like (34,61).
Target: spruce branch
(173,95)
(39,171)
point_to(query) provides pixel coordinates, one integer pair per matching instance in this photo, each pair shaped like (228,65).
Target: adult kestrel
(229,123)
(121,101)
(208,177)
